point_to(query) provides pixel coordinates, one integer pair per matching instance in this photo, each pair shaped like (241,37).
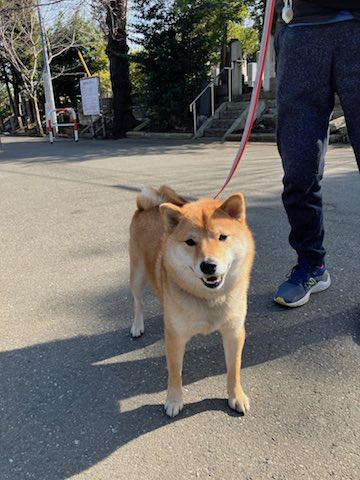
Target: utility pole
(48,87)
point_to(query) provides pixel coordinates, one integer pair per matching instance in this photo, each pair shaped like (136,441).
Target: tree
(66,68)
(20,46)
(8,78)
(115,25)
(247,36)
(180,41)
(257,10)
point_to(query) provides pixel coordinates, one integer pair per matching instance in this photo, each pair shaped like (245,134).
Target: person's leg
(305,100)
(347,80)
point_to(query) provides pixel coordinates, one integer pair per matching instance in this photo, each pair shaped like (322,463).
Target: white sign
(89,88)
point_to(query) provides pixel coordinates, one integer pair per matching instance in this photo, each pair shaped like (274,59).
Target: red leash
(265,40)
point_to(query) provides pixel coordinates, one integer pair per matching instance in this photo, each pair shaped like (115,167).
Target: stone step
(236,106)
(263,137)
(271,137)
(338,112)
(223,123)
(337,124)
(271,108)
(267,95)
(268,119)
(271,103)
(265,127)
(254,137)
(271,111)
(231,115)
(215,132)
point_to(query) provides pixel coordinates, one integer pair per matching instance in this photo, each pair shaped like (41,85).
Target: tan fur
(149,197)
(180,276)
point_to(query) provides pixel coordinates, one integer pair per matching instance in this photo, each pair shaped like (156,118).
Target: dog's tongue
(211,279)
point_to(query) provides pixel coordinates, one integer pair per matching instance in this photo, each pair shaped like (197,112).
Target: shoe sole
(319,287)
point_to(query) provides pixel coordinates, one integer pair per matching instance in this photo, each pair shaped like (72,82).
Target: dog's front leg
(174,348)
(233,341)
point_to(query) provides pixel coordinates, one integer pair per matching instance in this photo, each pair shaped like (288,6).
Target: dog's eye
(223,237)
(190,242)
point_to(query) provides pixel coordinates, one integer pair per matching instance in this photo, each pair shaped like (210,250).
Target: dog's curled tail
(149,197)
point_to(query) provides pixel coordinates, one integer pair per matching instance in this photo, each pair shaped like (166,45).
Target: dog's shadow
(61,401)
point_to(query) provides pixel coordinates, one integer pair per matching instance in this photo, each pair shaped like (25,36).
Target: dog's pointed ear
(170,215)
(235,207)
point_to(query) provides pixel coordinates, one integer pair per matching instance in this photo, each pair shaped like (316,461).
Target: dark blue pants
(313,63)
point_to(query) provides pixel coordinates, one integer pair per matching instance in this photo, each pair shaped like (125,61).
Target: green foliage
(181,41)
(257,13)
(105,82)
(136,75)
(248,37)
(88,39)
(4,101)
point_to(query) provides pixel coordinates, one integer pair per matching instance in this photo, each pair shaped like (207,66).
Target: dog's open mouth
(213,282)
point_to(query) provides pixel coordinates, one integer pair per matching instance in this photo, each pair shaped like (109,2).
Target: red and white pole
(76,133)
(51,132)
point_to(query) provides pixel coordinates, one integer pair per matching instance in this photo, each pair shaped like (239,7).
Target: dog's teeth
(212,279)
(213,282)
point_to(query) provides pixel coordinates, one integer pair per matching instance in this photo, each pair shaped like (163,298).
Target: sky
(50,9)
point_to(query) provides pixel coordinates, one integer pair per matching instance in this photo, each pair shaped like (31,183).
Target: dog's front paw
(240,403)
(136,330)
(173,407)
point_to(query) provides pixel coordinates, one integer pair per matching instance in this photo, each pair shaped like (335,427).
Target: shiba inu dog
(197,256)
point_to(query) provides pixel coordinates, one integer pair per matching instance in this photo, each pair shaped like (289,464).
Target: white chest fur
(190,316)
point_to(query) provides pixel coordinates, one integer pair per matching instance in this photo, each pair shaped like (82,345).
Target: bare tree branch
(20,46)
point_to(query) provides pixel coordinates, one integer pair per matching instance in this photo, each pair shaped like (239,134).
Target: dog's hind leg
(137,281)
(233,342)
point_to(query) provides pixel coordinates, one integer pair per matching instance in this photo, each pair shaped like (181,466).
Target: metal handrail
(192,105)
(201,93)
(211,85)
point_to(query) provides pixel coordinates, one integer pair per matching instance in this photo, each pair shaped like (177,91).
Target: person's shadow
(61,401)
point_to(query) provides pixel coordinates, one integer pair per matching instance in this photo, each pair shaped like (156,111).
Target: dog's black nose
(208,268)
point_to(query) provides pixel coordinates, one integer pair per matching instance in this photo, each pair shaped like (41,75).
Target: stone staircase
(225,118)
(265,124)
(229,113)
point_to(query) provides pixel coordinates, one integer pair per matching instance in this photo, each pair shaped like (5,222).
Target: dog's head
(208,243)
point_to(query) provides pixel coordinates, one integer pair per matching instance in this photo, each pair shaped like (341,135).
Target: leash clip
(287,13)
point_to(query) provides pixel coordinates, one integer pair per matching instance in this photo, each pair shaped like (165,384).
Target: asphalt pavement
(79,399)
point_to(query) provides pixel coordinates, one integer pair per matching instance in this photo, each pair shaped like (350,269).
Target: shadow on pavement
(18,150)
(60,403)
